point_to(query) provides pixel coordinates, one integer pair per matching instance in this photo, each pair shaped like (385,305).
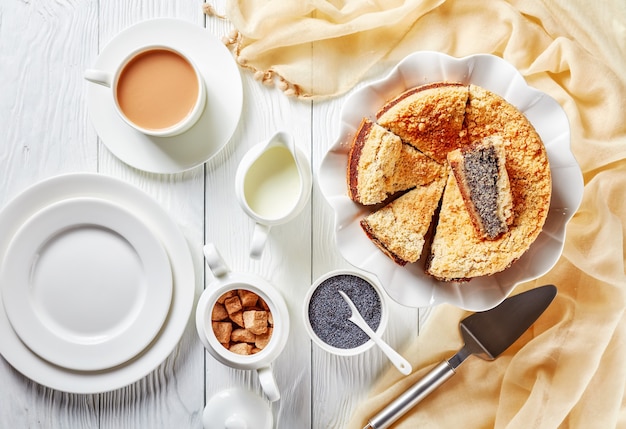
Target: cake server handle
(431,381)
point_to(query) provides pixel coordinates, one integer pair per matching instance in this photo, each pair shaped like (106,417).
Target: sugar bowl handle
(215,261)
(268,383)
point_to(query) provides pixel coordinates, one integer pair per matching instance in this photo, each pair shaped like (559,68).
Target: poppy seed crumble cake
(460,149)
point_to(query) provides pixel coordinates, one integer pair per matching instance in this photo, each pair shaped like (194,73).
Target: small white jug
(273,185)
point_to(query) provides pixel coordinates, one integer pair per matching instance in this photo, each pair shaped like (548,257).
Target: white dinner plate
(90,185)
(214,128)
(410,285)
(85,284)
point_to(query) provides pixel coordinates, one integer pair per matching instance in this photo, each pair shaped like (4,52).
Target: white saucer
(77,185)
(214,128)
(85,284)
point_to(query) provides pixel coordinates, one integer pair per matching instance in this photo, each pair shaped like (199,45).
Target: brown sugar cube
(237,318)
(255,321)
(222,331)
(248,299)
(226,295)
(219,312)
(262,340)
(233,304)
(241,335)
(241,348)
(264,305)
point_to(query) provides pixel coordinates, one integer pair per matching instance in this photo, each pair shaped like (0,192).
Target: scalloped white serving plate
(410,285)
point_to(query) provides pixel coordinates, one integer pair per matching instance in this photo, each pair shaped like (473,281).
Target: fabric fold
(567,371)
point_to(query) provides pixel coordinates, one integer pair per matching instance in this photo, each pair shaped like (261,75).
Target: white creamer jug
(273,185)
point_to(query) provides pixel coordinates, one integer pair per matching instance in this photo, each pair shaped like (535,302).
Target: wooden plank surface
(46,131)
(43,119)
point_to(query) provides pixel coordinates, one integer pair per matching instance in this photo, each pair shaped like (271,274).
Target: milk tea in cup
(156,89)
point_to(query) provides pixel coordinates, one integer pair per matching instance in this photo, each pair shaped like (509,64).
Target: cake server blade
(486,334)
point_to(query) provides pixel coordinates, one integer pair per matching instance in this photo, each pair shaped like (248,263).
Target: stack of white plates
(96,281)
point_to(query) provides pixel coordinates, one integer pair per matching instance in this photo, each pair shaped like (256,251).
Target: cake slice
(480,173)
(527,165)
(457,251)
(380,164)
(398,229)
(429,117)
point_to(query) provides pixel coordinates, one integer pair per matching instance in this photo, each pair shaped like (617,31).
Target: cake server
(486,334)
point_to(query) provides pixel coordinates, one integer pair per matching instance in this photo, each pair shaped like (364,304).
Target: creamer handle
(259,238)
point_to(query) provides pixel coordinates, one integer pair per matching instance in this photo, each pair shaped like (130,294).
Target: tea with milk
(157,89)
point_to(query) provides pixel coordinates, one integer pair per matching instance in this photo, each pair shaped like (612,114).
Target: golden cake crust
(436,120)
(457,251)
(372,157)
(398,229)
(428,117)
(379,165)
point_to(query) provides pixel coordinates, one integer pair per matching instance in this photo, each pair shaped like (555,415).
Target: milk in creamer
(272,184)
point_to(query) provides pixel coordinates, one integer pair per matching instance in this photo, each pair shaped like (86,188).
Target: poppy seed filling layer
(481,168)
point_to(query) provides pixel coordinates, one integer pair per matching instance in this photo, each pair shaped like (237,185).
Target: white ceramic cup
(273,185)
(111,79)
(347,351)
(225,281)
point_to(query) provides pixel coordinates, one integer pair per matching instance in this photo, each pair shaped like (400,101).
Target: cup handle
(259,238)
(268,383)
(98,76)
(214,260)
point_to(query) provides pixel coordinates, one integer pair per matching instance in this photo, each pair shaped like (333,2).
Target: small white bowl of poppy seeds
(326,313)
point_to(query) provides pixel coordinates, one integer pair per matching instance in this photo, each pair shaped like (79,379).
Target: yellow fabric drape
(568,370)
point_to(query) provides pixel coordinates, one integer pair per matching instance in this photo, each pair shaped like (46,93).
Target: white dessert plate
(85,284)
(88,185)
(214,128)
(410,285)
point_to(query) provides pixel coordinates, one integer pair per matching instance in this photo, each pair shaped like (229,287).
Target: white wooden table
(45,131)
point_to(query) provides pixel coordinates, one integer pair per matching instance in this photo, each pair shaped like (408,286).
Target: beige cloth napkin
(569,369)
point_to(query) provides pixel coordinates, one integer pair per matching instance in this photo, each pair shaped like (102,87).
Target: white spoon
(398,361)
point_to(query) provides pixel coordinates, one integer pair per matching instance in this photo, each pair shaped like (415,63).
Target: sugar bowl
(242,320)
